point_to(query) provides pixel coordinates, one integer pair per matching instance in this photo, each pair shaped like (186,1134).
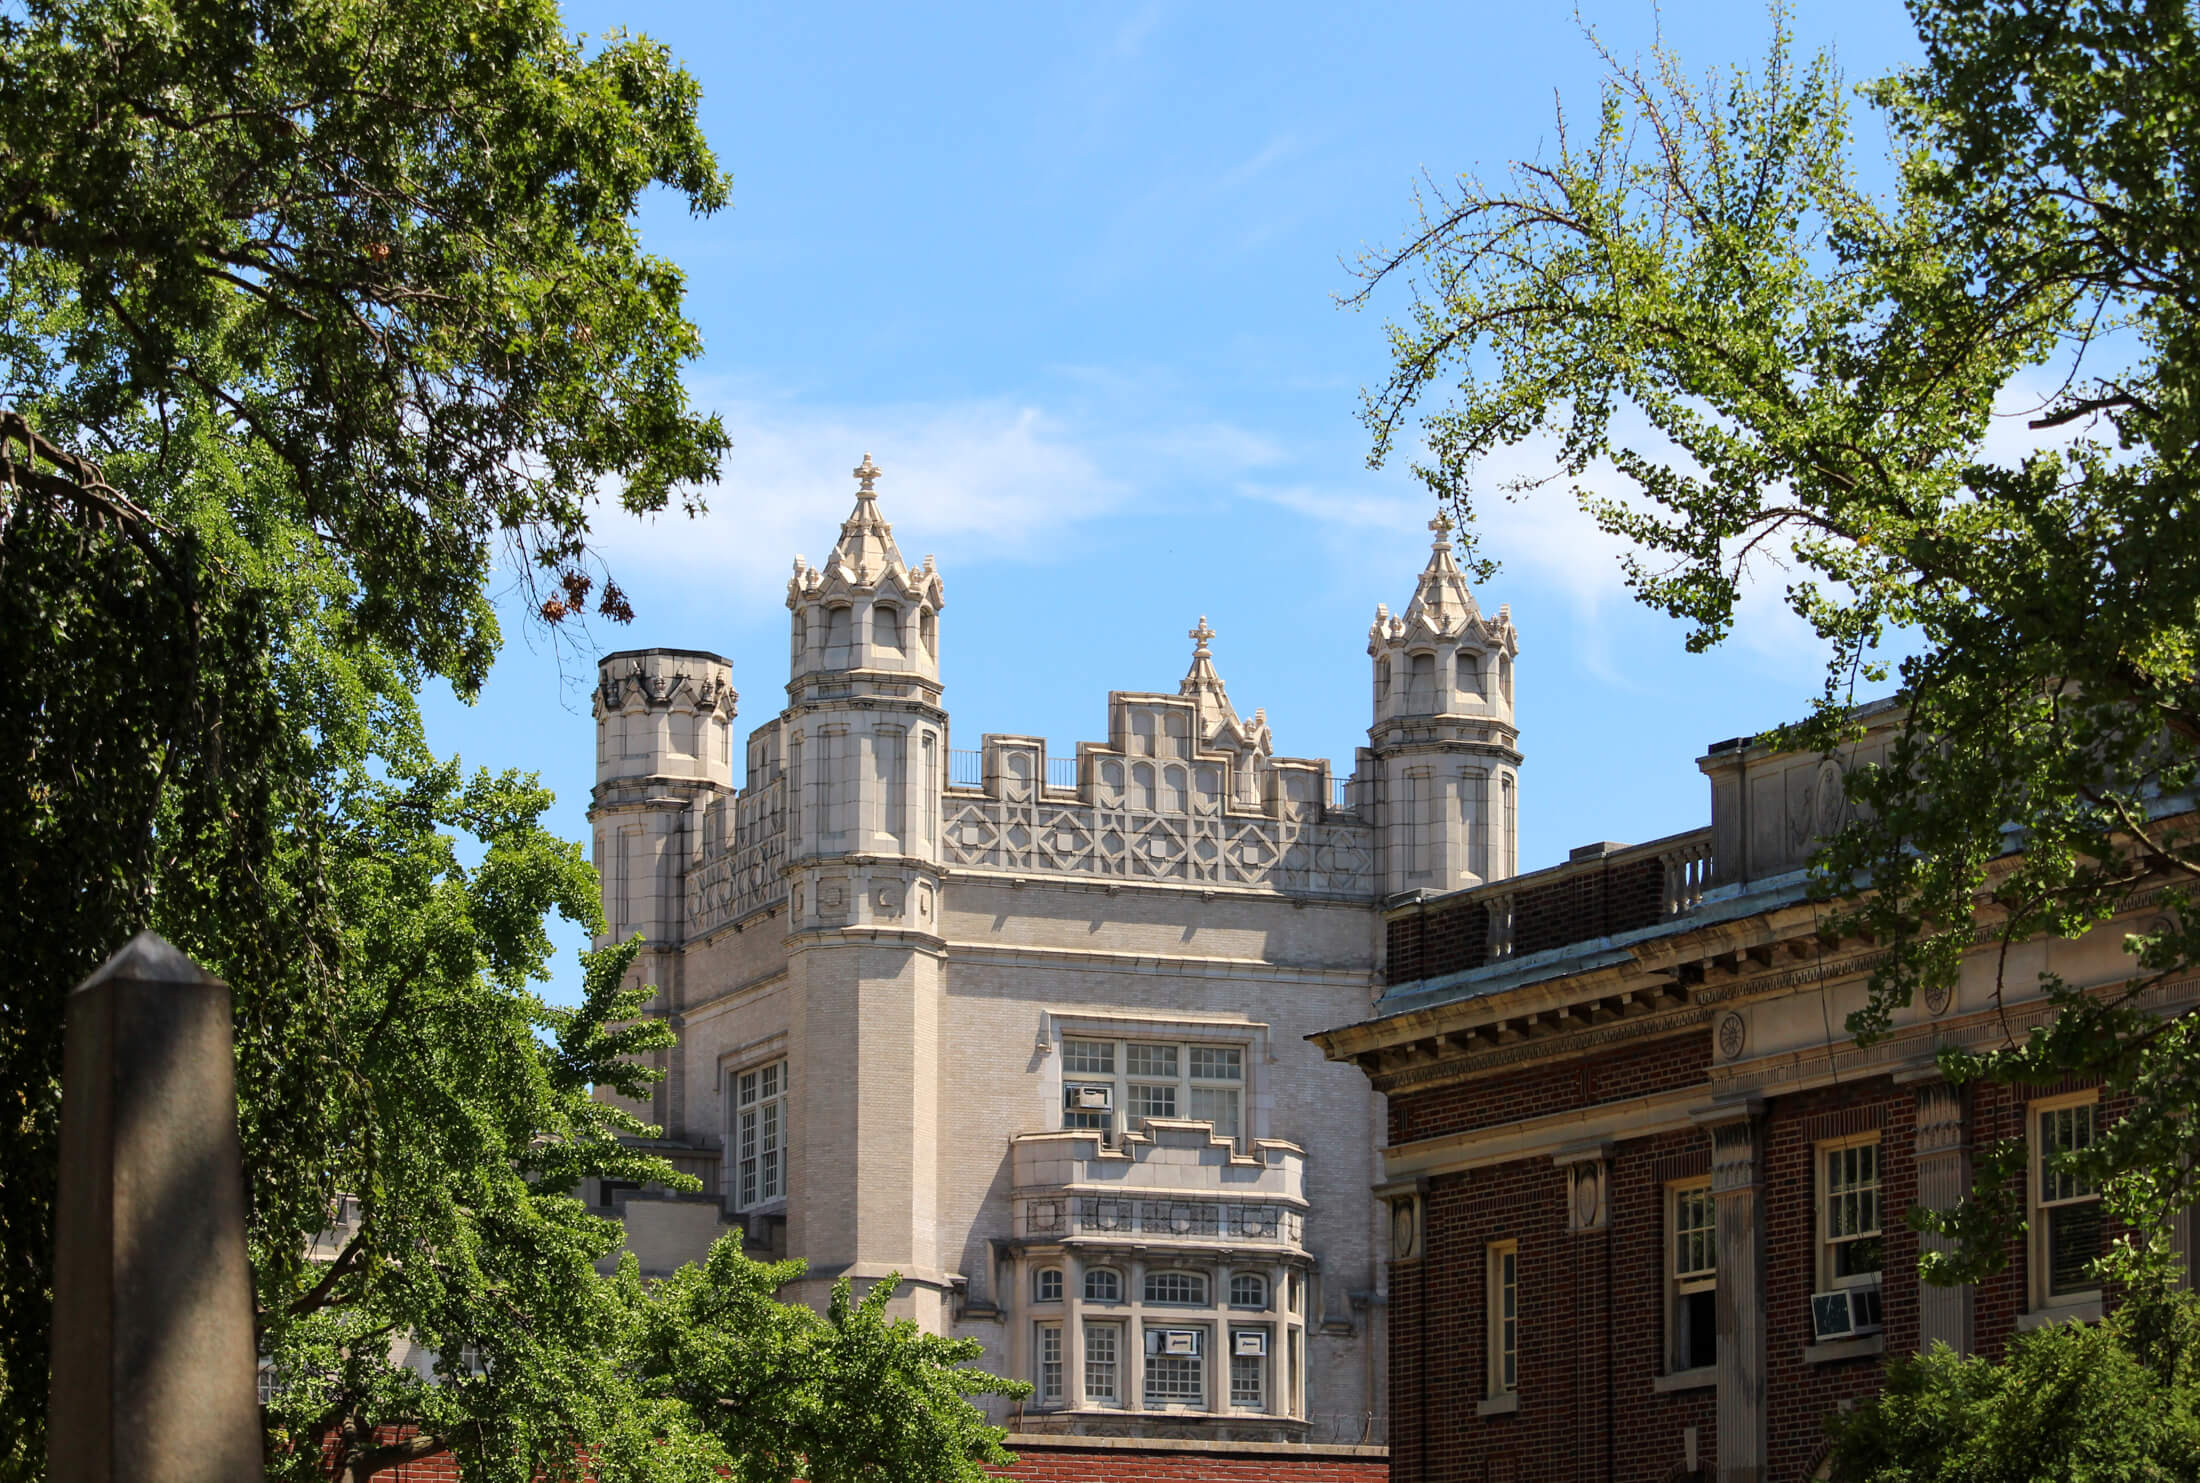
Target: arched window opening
(1420,684)
(1248,1290)
(1470,675)
(1184,1289)
(1103,1285)
(1382,680)
(1505,677)
(836,638)
(1046,1285)
(1142,795)
(928,632)
(1180,734)
(1172,790)
(886,627)
(1142,734)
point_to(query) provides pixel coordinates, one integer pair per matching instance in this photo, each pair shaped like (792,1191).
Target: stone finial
(867,472)
(154,1359)
(1442,526)
(1199,637)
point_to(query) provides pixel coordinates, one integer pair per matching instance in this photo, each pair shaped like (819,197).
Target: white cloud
(988,478)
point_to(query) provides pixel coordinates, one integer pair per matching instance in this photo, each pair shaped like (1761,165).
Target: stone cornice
(1426,1076)
(1025,955)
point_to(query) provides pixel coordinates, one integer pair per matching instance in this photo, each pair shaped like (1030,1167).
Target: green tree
(312,313)
(1731,349)
(2069,1403)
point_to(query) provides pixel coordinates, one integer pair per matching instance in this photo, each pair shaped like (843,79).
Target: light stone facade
(1031,1031)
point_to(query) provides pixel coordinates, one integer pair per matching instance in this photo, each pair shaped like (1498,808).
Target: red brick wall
(1050,1464)
(1534,1091)
(1452,933)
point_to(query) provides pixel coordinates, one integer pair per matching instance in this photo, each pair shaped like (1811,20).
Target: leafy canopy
(311,311)
(1732,351)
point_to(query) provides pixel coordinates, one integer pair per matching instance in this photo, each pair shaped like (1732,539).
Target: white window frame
(1260,1368)
(1047,1374)
(1200,1368)
(1684,1276)
(1503,1297)
(759,1135)
(1039,1278)
(1121,1286)
(1267,1292)
(1205,1280)
(1822,1195)
(1103,1331)
(1189,1094)
(2046,1193)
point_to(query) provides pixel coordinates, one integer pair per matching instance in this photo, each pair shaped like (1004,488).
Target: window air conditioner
(1173,1341)
(1249,1341)
(1091,1099)
(1844,1312)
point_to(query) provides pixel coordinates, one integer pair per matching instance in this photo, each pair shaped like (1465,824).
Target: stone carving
(1585,1205)
(1733,1035)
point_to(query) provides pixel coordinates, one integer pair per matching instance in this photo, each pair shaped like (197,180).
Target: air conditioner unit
(1844,1312)
(1173,1341)
(1249,1341)
(1091,1099)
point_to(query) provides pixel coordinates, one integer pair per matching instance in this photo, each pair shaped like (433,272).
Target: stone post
(154,1359)
(1737,1187)
(1943,1179)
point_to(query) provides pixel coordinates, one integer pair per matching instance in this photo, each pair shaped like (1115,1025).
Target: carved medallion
(1938,996)
(1401,1230)
(1733,1035)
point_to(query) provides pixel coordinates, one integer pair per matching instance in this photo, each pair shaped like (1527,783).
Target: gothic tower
(1444,752)
(664,761)
(866,746)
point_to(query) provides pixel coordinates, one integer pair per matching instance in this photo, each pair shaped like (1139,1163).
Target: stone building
(1646,1194)
(1031,1030)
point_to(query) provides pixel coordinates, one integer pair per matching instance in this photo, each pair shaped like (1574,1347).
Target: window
(1382,680)
(1692,1323)
(1470,675)
(924,628)
(1138,1079)
(1248,1290)
(1103,1285)
(1504,1284)
(836,638)
(1188,1288)
(760,1135)
(2066,1206)
(1049,1377)
(1103,1351)
(1848,1233)
(1176,1367)
(1249,1369)
(886,628)
(1046,1285)
(1420,684)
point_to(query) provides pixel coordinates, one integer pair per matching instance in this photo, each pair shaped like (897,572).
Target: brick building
(1645,1194)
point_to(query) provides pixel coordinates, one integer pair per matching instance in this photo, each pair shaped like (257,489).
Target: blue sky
(1068,272)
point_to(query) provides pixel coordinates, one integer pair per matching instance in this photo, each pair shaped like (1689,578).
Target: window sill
(2085,1309)
(1703,1378)
(1498,1405)
(1833,1351)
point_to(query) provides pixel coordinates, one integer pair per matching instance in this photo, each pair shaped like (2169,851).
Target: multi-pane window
(1103,1285)
(1849,1213)
(2066,1222)
(1248,1290)
(1504,1301)
(1187,1288)
(1249,1369)
(1103,1361)
(1046,1285)
(1112,1086)
(1049,1378)
(1693,1275)
(1176,1367)
(760,1135)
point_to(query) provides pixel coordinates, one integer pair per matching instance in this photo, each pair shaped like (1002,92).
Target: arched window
(1103,1285)
(1142,734)
(1248,1290)
(1470,675)
(801,636)
(927,632)
(1185,1289)
(1180,734)
(836,638)
(1142,786)
(1420,684)
(1382,680)
(1505,677)
(1046,1285)
(1172,789)
(886,627)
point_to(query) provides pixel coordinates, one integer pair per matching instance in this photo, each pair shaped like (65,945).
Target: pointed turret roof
(1441,598)
(866,547)
(1202,684)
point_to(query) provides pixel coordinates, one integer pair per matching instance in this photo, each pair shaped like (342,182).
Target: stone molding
(1459,1067)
